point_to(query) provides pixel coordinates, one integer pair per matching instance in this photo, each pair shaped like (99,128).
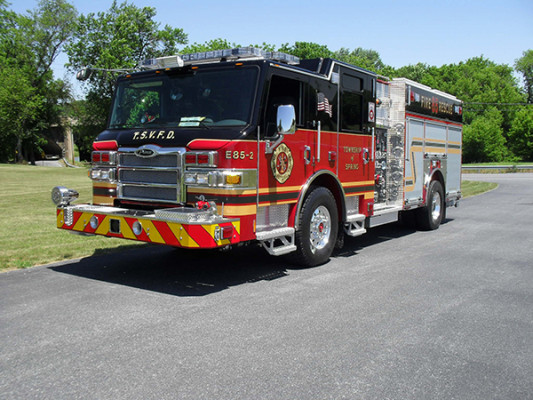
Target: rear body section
(433,140)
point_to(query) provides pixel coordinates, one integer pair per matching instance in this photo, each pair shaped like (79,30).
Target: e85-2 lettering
(239,155)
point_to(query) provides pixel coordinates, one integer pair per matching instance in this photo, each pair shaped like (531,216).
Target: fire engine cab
(221,148)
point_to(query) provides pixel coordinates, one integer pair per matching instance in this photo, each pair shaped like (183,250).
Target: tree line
(498,107)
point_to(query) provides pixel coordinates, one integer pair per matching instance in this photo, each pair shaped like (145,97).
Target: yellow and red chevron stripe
(154,231)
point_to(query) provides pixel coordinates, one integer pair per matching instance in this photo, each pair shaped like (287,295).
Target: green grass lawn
(471,188)
(28,233)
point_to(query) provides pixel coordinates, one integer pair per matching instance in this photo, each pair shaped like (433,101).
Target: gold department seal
(282,163)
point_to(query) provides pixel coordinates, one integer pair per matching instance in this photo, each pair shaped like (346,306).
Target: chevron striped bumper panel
(179,227)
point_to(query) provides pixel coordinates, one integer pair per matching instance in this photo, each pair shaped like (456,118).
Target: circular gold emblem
(282,163)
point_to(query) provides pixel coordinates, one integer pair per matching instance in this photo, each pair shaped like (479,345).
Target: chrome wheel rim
(435,206)
(320,229)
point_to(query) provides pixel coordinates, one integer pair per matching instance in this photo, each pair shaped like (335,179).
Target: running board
(382,219)
(355,225)
(278,241)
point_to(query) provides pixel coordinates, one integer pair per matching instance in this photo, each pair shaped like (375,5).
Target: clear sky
(406,32)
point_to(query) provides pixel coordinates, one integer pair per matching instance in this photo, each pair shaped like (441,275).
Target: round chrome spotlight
(62,196)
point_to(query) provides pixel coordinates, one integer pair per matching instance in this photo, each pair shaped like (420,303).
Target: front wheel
(430,217)
(318,227)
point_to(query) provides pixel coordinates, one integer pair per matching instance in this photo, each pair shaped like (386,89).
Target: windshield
(209,98)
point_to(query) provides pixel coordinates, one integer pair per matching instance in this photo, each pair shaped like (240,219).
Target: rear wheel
(318,228)
(430,217)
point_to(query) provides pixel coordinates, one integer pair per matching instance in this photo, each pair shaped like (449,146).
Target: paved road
(397,314)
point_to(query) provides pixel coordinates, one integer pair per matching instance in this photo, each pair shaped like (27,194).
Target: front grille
(149,193)
(161,160)
(148,176)
(153,179)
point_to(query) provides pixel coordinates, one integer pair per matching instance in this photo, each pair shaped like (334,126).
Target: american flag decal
(323,104)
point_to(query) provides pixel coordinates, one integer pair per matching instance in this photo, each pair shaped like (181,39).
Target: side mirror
(286,120)
(83,74)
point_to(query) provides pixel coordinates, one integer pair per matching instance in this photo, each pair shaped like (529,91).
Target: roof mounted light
(162,62)
(204,57)
(282,57)
(223,55)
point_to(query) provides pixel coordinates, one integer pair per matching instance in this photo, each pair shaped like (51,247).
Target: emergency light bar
(228,54)
(218,55)
(282,57)
(162,62)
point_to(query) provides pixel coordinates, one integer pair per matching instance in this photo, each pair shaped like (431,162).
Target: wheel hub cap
(320,229)
(435,206)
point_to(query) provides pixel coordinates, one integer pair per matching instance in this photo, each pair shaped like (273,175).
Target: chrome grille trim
(145,176)
(157,178)
(161,161)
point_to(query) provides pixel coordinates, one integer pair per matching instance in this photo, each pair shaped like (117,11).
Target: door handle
(307,155)
(366,155)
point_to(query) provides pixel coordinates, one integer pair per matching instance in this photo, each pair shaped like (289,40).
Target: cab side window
(351,104)
(282,91)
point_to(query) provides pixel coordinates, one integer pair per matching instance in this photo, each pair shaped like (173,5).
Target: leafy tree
(483,85)
(20,107)
(221,44)
(306,50)
(416,72)
(28,46)
(119,38)
(215,44)
(49,27)
(265,46)
(524,65)
(521,134)
(364,58)
(483,139)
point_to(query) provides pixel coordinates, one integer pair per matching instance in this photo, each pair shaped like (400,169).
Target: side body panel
(433,139)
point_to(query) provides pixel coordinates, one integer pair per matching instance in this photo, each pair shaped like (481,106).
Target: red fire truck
(221,148)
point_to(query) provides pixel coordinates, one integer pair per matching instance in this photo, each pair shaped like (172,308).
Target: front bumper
(179,227)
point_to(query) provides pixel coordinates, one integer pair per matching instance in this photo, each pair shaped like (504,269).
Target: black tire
(318,228)
(429,217)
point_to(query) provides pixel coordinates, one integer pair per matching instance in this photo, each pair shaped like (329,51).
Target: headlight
(203,179)
(221,178)
(103,174)
(190,178)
